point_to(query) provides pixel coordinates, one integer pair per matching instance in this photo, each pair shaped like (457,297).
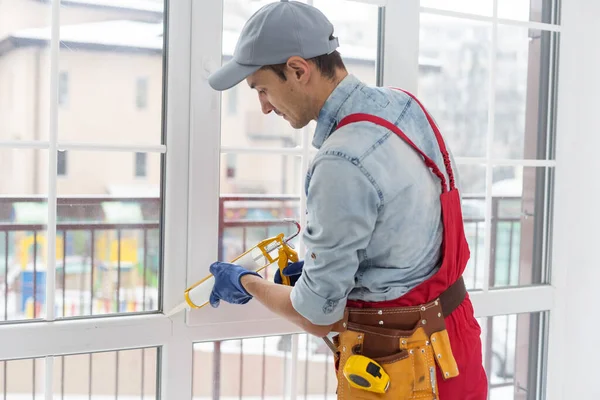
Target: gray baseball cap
(272,35)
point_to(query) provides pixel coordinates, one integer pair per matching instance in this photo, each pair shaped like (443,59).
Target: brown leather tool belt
(409,343)
(405,318)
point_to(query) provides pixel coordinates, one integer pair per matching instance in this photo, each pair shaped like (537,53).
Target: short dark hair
(327,64)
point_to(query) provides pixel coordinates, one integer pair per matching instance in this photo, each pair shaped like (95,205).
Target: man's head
(287,52)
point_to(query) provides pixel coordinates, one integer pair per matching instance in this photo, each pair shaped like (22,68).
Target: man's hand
(228,284)
(292,271)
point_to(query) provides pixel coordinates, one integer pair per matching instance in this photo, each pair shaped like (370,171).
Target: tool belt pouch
(408,356)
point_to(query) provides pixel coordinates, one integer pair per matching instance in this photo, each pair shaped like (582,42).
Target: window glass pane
(357,30)
(24,104)
(243,124)
(108,236)
(260,368)
(22,379)
(119,375)
(316,369)
(249,127)
(261,174)
(112,64)
(512,354)
(454,80)
(480,7)
(246,220)
(528,10)
(523,93)
(519,225)
(23,236)
(472,187)
(230,98)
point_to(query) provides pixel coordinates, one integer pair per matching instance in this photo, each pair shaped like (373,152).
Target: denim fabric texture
(374,228)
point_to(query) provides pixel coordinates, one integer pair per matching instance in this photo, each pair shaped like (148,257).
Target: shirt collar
(331,112)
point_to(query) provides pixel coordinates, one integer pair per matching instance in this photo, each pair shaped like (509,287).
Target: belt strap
(452,297)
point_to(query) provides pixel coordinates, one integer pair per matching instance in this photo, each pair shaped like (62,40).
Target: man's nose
(265,105)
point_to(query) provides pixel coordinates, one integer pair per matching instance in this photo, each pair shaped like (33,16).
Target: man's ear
(299,68)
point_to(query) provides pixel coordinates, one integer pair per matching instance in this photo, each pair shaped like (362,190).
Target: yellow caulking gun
(274,249)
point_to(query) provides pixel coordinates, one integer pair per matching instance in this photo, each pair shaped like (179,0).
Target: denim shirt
(374,228)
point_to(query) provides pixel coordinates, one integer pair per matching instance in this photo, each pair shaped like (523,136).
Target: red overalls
(463,330)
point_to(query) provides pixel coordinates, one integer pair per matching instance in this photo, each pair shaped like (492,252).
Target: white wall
(573,363)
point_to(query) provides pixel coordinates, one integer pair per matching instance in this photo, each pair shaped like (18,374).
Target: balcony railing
(108,252)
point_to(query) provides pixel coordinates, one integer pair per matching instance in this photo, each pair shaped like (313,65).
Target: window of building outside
(8,97)
(99,252)
(231,165)
(141,93)
(63,88)
(61,163)
(140,165)
(232,100)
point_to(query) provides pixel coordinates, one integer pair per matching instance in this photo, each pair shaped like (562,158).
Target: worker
(384,236)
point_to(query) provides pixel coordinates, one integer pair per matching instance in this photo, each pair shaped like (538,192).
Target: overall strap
(360,117)
(438,137)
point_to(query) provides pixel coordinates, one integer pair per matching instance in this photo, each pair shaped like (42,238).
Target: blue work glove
(293,271)
(228,285)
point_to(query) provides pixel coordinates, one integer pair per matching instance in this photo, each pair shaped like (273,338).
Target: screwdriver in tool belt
(330,344)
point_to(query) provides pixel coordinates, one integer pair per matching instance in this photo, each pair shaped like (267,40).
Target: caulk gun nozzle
(177,309)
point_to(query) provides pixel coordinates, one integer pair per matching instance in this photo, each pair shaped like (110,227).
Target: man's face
(289,99)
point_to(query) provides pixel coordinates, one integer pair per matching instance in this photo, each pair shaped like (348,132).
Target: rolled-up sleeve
(342,208)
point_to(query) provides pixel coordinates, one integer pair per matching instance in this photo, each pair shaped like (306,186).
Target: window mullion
(205,139)
(306,154)
(401,44)
(52,161)
(52,187)
(203,184)
(489,172)
(175,356)
(87,335)
(177,159)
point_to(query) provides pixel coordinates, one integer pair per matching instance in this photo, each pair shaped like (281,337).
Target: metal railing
(102,267)
(104,264)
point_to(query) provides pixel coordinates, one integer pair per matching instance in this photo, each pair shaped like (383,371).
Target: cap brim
(230,75)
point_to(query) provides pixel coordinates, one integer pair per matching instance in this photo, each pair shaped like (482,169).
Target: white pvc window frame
(191,212)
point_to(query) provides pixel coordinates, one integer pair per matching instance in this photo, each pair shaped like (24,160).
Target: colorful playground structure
(113,280)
